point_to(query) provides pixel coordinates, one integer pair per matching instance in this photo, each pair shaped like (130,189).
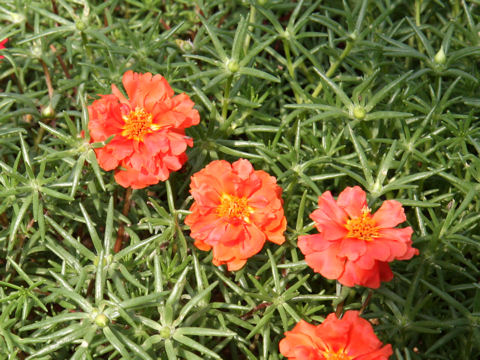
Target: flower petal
(326,262)
(353,200)
(389,215)
(328,210)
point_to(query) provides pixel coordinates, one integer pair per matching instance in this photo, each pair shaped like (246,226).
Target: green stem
(290,69)
(226,98)
(87,49)
(246,44)
(334,66)
(418,10)
(418,4)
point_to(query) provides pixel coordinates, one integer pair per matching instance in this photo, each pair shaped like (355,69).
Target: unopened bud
(48,112)
(359,112)
(232,66)
(440,57)
(101,320)
(165,332)
(80,25)
(184,45)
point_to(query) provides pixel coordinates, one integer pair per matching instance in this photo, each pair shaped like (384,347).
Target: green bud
(17,18)
(101,320)
(184,45)
(262,2)
(165,332)
(80,25)
(233,66)
(37,51)
(48,112)
(440,57)
(359,112)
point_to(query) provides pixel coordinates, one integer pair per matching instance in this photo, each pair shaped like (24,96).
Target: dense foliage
(321,94)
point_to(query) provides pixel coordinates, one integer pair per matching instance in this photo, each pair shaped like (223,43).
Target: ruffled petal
(352,249)
(356,275)
(389,215)
(326,262)
(144,90)
(328,210)
(312,243)
(353,200)
(361,338)
(134,178)
(399,241)
(299,336)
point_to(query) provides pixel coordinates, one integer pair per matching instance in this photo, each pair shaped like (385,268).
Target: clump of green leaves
(321,94)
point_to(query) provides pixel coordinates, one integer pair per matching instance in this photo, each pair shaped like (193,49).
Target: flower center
(138,123)
(336,355)
(362,227)
(234,207)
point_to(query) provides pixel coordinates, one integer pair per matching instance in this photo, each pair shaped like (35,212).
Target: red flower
(236,209)
(349,338)
(2,46)
(148,130)
(354,246)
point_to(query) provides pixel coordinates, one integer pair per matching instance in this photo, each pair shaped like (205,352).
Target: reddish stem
(121,230)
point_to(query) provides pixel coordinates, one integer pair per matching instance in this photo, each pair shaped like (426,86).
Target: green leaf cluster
(320,94)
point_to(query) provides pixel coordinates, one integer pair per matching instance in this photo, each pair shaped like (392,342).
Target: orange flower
(2,46)
(349,338)
(148,130)
(354,246)
(236,209)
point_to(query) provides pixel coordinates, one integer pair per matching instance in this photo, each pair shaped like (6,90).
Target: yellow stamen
(336,355)
(362,227)
(138,123)
(234,207)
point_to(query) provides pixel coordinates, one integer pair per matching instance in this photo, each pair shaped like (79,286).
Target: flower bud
(233,66)
(165,332)
(184,45)
(48,112)
(440,57)
(359,112)
(80,25)
(101,320)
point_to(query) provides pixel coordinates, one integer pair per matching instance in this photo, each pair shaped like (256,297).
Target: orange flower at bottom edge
(148,130)
(235,210)
(348,338)
(354,246)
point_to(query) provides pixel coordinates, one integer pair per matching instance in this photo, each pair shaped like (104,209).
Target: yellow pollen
(234,207)
(362,227)
(337,355)
(138,123)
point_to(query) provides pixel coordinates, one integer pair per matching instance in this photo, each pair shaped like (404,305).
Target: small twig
(164,24)
(60,60)
(48,79)
(17,81)
(121,230)
(4,219)
(339,309)
(90,286)
(54,7)
(367,300)
(255,309)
